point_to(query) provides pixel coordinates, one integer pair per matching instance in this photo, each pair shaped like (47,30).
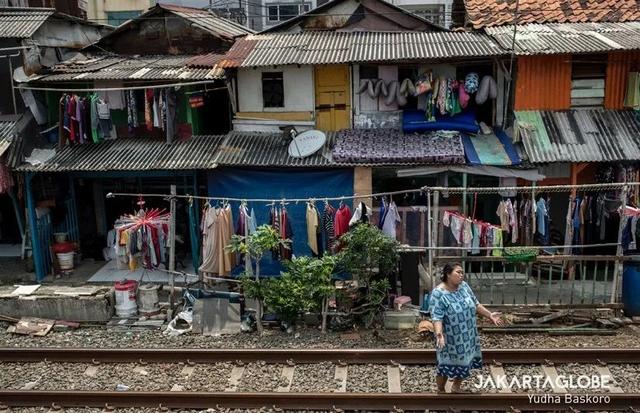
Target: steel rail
(321,401)
(353,356)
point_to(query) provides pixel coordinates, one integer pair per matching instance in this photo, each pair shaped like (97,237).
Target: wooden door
(333,98)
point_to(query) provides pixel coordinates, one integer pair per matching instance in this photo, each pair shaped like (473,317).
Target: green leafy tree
(256,245)
(370,256)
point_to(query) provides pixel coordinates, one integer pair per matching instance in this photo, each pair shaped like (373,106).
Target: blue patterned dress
(457,311)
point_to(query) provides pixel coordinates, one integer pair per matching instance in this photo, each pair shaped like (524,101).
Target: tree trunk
(259,309)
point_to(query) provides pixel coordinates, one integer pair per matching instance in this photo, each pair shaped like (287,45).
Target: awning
(526,174)
(132,154)
(495,149)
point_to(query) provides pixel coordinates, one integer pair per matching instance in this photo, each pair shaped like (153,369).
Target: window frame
(302,8)
(272,76)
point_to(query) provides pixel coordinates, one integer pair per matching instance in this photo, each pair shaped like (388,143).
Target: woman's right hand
(440,342)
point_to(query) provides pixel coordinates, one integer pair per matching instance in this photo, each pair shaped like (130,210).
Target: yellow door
(333,100)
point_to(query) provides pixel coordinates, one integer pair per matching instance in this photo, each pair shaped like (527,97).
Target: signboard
(307,143)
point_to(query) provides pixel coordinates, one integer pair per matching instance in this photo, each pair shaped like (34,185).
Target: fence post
(618,266)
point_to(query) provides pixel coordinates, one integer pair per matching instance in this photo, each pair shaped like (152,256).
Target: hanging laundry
(6,178)
(132,111)
(95,121)
(196,100)
(341,220)
(503,215)
(391,220)
(143,235)
(156,109)
(312,228)
(362,213)
(148,105)
(329,234)
(216,228)
(104,119)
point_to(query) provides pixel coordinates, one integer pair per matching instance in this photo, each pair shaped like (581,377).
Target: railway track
(345,369)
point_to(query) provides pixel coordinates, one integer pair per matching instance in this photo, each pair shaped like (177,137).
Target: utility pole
(172,246)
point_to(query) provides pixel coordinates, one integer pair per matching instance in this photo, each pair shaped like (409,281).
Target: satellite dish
(307,143)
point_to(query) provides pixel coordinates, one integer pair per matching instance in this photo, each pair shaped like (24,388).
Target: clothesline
(424,189)
(546,247)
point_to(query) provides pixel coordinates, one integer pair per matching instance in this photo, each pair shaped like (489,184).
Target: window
(281,12)
(272,90)
(432,12)
(588,74)
(116,18)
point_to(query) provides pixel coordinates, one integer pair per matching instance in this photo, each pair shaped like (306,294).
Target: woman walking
(453,312)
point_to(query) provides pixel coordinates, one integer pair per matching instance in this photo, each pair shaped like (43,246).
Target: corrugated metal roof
(593,135)
(318,47)
(133,154)
(22,23)
(568,37)
(120,68)
(7,134)
(269,150)
(208,21)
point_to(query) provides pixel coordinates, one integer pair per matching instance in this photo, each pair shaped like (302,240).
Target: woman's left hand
(496,319)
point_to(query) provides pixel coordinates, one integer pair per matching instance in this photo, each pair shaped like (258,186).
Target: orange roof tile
(487,13)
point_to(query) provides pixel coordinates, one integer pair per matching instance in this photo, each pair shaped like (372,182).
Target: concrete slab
(10,250)
(45,303)
(109,273)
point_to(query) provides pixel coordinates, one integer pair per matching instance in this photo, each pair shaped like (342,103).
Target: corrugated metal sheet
(7,134)
(269,150)
(543,83)
(208,21)
(595,135)
(119,68)
(320,47)
(551,38)
(134,154)
(618,68)
(22,23)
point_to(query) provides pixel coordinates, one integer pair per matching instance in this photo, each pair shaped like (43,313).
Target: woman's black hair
(448,269)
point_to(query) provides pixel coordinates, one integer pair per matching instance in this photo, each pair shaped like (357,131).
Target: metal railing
(570,280)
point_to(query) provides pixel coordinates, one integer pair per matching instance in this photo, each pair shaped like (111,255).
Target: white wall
(299,95)
(413,5)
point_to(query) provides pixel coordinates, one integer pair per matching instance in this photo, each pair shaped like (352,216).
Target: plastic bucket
(65,260)
(148,298)
(60,236)
(631,288)
(126,305)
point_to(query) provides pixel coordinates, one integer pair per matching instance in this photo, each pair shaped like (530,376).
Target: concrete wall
(299,93)
(363,182)
(97,9)
(98,308)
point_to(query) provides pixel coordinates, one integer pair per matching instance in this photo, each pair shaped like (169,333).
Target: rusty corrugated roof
(105,67)
(556,38)
(585,135)
(22,23)
(487,13)
(133,154)
(208,21)
(319,47)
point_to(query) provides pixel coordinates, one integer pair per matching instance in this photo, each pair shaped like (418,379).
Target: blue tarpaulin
(278,184)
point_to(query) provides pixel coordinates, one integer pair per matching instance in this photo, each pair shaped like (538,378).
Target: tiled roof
(133,154)
(318,47)
(486,13)
(22,23)
(568,37)
(102,67)
(594,135)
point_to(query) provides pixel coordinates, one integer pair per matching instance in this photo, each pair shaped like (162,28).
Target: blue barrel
(631,287)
